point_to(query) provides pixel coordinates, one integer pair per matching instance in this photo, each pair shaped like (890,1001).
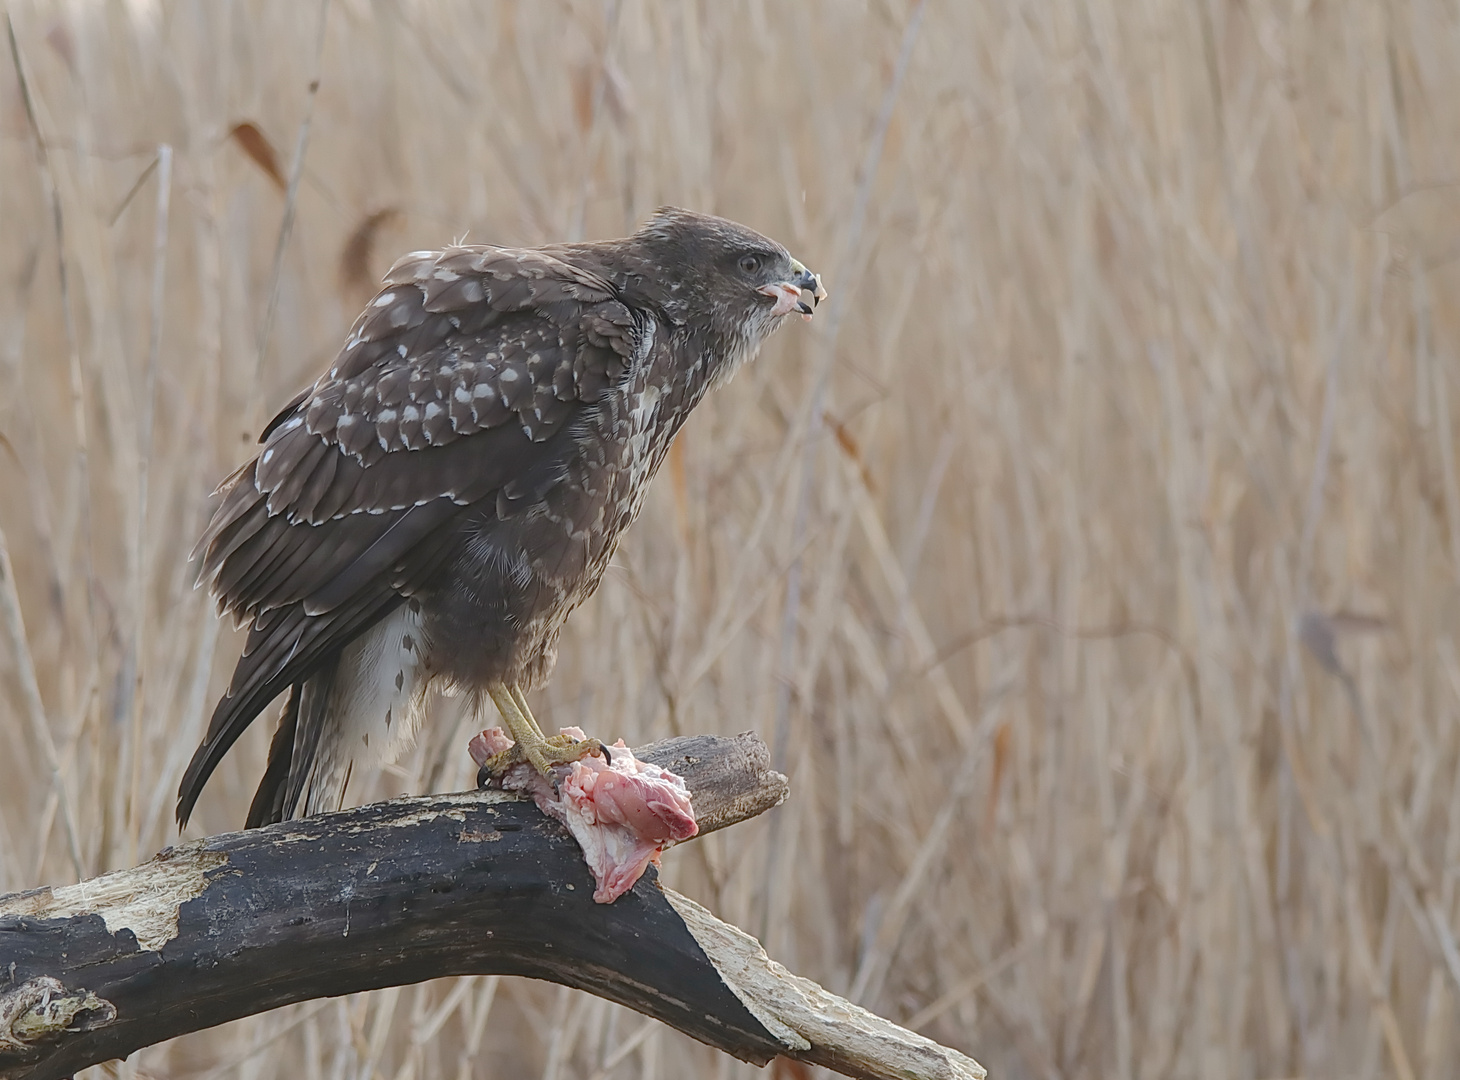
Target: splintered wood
(239,923)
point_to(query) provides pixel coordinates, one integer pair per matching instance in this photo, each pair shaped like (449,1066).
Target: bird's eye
(749,264)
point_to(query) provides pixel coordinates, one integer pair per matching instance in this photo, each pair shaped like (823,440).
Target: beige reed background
(1091,561)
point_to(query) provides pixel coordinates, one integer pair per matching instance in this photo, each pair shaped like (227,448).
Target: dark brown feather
(475,449)
(352,495)
(268,801)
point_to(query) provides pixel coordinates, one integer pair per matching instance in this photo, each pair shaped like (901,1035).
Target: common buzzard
(432,509)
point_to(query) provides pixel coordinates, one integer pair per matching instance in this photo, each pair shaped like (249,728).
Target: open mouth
(787,294)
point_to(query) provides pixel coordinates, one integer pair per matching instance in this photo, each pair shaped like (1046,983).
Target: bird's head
(738,284)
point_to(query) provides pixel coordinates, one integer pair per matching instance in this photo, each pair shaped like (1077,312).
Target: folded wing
(460,383)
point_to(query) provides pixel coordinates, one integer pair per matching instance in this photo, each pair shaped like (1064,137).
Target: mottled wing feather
(459,383)
(384,430)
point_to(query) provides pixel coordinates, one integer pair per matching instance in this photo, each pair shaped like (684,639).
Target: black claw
(607,757)
(484,777)
(803,307)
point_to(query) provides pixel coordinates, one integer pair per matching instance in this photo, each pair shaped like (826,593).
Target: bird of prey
(433,508)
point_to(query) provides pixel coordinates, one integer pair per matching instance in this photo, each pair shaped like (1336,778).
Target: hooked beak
(787,294)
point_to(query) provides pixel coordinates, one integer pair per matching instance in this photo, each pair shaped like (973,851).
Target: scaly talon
(560,750)
(551,752)
(496,765)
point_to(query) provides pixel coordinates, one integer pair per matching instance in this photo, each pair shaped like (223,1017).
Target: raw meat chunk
(622,814)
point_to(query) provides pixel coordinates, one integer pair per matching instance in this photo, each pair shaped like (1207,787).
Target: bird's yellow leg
(520,699)
(529,743)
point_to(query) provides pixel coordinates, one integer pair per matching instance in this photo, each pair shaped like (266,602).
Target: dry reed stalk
(286,225)
(35,712)
(1148,329)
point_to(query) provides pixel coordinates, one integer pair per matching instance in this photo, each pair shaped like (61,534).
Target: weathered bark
(407,890)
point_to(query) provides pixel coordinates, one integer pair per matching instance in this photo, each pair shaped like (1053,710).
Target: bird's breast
(521,575)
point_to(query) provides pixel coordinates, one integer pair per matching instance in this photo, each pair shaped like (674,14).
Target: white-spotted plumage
(375,706)
(455,484)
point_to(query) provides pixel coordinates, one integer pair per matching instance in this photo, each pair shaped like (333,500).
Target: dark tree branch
(408,890)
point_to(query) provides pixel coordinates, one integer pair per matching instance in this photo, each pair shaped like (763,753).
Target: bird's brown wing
(459,383)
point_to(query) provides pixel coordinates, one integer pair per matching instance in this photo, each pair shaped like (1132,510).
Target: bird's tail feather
(299,780)
(268,801)
(308,775)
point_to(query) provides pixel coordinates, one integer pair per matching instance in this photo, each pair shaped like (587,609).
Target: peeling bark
(407,890)
(144,900)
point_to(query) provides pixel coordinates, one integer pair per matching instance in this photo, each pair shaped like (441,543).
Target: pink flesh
(488,745)
(622,815)
(786,296)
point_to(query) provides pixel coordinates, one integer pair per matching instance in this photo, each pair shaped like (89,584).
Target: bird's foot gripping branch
(413,889)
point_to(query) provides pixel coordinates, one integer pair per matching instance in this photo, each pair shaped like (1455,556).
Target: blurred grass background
(1090,562)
